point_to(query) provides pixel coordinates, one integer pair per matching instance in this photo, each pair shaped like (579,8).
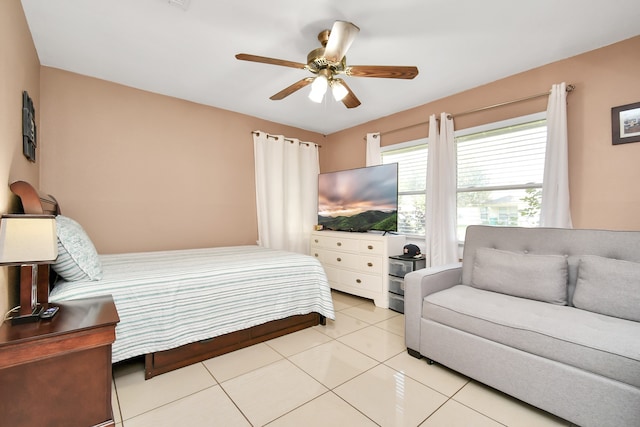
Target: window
(500,171)
(412,180)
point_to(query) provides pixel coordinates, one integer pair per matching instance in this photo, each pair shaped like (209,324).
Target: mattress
(166,299)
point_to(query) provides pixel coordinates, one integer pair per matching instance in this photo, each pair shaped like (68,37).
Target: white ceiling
(456,45)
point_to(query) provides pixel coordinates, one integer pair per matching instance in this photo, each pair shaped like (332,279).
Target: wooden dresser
(357,263)
(58,372)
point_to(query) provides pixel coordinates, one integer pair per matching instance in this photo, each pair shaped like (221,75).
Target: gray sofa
(549,316)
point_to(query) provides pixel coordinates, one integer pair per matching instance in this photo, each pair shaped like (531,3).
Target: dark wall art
(29,134)
(625,123)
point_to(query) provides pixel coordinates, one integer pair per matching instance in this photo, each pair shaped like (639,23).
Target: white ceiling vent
(182,4)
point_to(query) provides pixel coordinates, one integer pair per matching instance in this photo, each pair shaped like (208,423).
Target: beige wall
(19,70)
(142,171)
(603,178)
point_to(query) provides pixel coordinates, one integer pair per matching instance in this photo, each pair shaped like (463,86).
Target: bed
(184,306)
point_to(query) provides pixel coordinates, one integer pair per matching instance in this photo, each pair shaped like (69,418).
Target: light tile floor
(354,371)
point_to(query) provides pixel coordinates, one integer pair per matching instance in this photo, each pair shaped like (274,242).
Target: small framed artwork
(29,134)
(625,123)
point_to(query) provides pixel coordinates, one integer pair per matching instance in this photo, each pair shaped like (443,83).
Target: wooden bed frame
(35,202)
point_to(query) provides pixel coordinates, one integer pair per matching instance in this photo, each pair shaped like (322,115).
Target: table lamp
(26,241)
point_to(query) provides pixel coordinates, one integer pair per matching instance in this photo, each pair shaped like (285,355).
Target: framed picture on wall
(625,123)
(29,134)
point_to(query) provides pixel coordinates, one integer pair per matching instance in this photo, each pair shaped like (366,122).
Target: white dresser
(357,263)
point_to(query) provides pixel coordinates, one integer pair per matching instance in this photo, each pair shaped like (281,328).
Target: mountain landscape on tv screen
(369,220)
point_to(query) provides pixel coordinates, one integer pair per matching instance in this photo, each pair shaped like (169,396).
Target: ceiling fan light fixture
(318,88)
(338,90)
(327,63)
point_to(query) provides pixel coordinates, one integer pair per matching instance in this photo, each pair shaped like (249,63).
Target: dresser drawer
(341,259)
(365,264)
(371,264)
(335,243)
(371,247)
(363,281)
(352,280)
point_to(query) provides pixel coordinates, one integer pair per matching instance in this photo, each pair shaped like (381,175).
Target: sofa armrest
(417,285)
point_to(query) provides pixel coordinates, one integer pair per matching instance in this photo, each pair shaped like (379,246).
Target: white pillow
(538,277)
(608,286)
(77,256)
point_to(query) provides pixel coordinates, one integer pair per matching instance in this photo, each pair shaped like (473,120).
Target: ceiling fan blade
(273,61)
(350,100)
(383,71)
(342,35)
(289,90)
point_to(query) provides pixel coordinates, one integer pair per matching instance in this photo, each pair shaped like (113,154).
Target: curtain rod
(287,139)
(570,88)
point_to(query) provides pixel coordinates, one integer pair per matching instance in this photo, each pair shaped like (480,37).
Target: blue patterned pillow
(77,257)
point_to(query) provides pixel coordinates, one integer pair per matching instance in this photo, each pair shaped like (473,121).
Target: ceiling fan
(328,62)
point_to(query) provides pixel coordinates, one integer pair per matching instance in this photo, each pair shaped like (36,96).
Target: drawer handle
(315,240)
(339,259)
(370,247)
(369,264)
(358,281)
(339,243)
(316,255)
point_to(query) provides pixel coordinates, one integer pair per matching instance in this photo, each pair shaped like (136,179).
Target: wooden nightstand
(58,372)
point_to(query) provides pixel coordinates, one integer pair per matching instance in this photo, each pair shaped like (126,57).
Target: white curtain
(286,191)
(555,210)
(441,239)
(373,149)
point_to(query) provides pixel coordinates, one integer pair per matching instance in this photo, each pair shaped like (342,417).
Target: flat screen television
(361,199)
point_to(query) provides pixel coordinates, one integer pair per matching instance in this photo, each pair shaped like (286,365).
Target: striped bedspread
(170,298)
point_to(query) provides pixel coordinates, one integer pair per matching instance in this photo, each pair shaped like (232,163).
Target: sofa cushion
(539,277)
(608,286)
(590,341)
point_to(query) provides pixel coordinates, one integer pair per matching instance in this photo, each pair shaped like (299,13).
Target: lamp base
(27,318)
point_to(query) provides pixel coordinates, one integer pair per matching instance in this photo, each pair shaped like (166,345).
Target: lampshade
(338,90)
(318,88)
(28,239)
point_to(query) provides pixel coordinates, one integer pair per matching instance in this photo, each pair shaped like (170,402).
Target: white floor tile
(271,391)
(342,300)
(240,362)
(454,414)
(390,398)
(394,325)
(115,406)
(436,376)
(503,408)
(209,407)
(375,342)
(296,342)
(370,313)
(326,410)
(138,396)
(333,363)
(343,325)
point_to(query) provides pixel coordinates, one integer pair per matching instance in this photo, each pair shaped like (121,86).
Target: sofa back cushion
(608,286)
(572,243)
(539,277)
